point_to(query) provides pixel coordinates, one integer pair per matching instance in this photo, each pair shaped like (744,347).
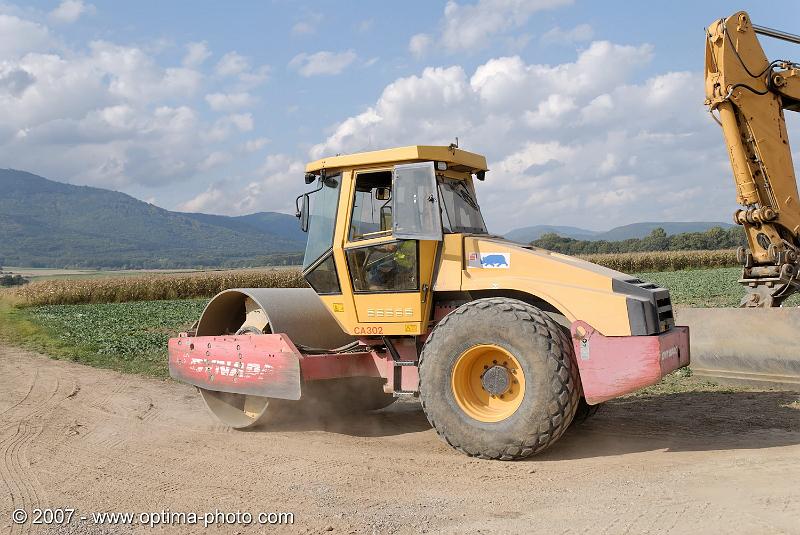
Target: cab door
(394,232)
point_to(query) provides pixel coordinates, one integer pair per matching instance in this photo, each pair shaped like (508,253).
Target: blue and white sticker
(490,260)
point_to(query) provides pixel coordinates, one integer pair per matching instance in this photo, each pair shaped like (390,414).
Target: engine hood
(613,302)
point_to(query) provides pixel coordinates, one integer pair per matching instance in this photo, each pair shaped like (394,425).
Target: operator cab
(375,223)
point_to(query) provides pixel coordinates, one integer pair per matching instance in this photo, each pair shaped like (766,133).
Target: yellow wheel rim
(488,383)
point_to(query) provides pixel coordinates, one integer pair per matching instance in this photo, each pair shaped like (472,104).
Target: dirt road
(73,436)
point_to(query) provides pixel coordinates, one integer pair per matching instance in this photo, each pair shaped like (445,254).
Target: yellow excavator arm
(748,93)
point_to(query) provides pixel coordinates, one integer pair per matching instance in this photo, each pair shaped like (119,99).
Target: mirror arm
(298,210)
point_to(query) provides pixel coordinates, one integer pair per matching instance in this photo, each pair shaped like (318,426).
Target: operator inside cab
(387,266)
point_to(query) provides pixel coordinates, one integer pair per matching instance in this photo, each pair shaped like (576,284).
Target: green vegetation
(9,279)
(132,336)
(128,337)
(704,287)
(658,240)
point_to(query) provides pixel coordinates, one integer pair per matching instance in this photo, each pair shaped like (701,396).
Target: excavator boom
(748,92)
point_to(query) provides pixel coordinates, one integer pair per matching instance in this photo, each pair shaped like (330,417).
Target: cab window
(372,206)
(323,277)
(386,267)
(461,211)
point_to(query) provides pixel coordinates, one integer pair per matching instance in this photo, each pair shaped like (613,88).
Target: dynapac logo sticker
(490,260)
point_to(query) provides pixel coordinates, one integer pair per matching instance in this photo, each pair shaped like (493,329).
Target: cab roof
(457,159)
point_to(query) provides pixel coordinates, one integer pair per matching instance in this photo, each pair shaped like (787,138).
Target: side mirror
(303,214)
(383,194)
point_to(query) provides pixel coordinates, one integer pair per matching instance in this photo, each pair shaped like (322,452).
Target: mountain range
(625,232)
(44,223)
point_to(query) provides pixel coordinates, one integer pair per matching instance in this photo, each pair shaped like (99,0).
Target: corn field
(152,287)
(206,284)
(664,260)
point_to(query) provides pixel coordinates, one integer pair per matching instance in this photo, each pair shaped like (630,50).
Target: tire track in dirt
(102,441)
(24,422)
(22,483)
(24,398)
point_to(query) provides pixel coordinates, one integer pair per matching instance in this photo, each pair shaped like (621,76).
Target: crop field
(664,260)
(52,288)
(149,287)
(131,336)
(38,274)
(704,287)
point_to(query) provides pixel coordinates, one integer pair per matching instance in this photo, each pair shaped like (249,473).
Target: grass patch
(128,337)
(704,287)
(132,336)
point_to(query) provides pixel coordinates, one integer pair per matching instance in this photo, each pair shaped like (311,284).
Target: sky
(590,113)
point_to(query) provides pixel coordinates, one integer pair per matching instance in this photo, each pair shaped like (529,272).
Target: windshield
(322,216)
(461,210)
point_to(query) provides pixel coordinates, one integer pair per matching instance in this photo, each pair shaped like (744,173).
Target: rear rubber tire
(584,411)
(551,380)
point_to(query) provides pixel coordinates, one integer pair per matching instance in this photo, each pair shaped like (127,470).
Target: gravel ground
(100,441)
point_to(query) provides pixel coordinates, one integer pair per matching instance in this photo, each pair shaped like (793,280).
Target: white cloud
(308,25)
(418,44)
(70,11)
(408,108)
(229,101)
(549,111)
(578,143)
(107,114)
(15,80)
(254,77)
(590,142)
(322,63)
(279,173)
(206,201)
(232,64)
(242,121)
(135,75)
(510,83)
(578,34)
(467,27)
(196,54)
(255,145)
(226,126)
(472,26)
(21,36)
(215,159)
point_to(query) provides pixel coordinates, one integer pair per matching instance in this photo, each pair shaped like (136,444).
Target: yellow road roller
(410,295)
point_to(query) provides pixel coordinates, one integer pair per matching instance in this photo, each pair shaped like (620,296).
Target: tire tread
(565,387)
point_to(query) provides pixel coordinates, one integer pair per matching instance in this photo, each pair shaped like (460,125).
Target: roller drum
(297,312)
